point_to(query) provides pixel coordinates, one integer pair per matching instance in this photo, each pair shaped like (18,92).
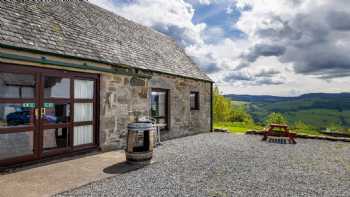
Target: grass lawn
(309,132)
(235,127)
(238,127)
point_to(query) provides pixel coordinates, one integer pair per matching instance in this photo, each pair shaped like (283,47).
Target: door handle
(36,113)
(42,112)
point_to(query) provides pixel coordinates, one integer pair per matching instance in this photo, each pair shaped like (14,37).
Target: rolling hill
(320,110)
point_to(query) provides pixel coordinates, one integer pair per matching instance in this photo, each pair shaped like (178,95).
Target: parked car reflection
(19,116)
(58,113)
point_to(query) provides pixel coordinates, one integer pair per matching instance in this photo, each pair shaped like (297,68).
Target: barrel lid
(144,125)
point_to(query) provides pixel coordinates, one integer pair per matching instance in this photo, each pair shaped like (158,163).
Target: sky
(256,47)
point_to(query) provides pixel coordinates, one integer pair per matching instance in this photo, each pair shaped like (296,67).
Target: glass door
(55,114)
(84,112)
(45,112)
(18,114)
(67,113)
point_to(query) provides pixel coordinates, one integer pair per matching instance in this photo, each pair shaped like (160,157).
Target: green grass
(308,132)
(238,127)
(239,103)
(235,127)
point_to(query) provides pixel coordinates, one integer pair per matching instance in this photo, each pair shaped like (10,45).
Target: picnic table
(282,132)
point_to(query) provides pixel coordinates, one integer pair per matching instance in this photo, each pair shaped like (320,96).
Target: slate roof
(81,29)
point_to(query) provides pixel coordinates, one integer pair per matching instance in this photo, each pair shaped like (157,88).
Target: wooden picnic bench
(283,132)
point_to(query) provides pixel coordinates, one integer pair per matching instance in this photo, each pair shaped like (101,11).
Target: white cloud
(213,34)
(206,45)
(284,39)
(172,16)
(201,2)
(310,34)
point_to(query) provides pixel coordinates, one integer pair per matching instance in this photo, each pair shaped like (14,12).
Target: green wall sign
(28,105)
(48,105)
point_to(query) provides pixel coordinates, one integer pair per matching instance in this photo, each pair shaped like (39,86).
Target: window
(83,112)
(57,87)
(17,86)
(159,107)
(194,100)
(83,89)
(15,114)
(16,144)
(55,138)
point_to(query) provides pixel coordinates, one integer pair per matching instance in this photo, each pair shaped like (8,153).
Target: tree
(334,126)
(225,111)
(221,107)
(301,126)
(239,114)
(276,118)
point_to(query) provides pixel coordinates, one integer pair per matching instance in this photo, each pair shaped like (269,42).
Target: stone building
(73,75)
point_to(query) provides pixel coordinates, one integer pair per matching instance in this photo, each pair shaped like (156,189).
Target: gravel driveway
(221,164)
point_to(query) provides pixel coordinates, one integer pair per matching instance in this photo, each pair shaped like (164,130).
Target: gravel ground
(221,164)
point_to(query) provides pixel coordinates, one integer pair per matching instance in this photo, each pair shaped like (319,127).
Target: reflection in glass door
(18,123)
(55,114)
(45,112)
(67,114)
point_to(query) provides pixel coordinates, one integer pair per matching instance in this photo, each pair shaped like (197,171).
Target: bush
(221,107)
(301,126)
(239,114)
(276,118)
(225,111)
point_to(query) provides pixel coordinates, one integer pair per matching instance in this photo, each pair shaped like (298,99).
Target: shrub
(276,118)
(300,126)
(221,107)
(225,111)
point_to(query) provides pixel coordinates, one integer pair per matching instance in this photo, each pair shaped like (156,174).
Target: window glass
(194,100)
(17,85)
(56,113)
(57,87)
(83,135)
(55,138)
(83,89)
(16,144)
(159,107)
(158,104)
(16,114)
(83,112)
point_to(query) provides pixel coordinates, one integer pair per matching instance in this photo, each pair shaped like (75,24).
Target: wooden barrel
(139,157)
(136,153)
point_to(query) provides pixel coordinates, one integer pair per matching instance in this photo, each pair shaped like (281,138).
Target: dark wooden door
(55,113)
(19,115)
(45,112)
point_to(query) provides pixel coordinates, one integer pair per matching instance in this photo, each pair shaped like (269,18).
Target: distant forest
(319,111)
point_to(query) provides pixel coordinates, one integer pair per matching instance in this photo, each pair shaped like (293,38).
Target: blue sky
(275,47)
(218,15)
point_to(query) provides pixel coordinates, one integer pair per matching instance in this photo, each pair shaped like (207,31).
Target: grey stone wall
(123,98)
(183,120)
(119,104)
